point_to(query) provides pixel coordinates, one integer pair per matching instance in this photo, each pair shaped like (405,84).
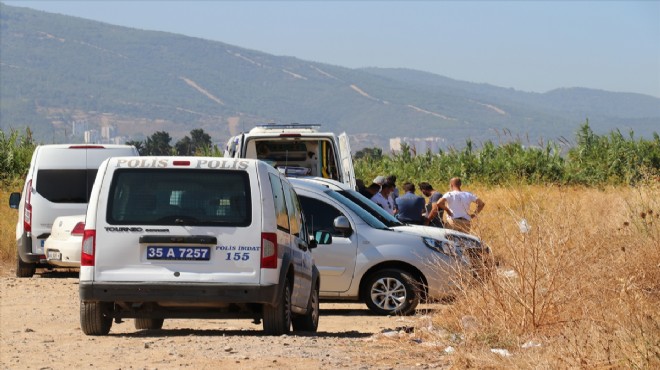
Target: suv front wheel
(310,320)
(391,292)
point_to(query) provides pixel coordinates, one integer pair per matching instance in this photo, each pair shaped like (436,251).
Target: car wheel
(391,292)
(149,324)
(94,318)
(24,269)
(310,320)
(277,319)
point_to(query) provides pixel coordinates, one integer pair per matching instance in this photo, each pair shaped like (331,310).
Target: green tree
(139,145)
(15,154)
(158,144)
(197,143)
(374,153)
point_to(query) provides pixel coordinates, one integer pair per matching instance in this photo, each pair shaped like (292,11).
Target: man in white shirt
(381,198)
(456,204)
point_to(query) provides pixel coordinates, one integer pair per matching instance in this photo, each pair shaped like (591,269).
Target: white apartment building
(417,145)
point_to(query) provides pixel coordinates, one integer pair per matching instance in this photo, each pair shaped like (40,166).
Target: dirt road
(39,329)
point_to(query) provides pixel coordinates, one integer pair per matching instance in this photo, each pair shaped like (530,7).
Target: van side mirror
(342,225)
(322,237)
(14,200)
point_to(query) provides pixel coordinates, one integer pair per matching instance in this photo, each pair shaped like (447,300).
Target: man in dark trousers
(411,206)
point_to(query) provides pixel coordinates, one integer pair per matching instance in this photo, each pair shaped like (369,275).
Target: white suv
(196,237)
(298,150)
(58,183)
(374,258)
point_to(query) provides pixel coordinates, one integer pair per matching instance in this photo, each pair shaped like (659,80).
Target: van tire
(310,320)
(149,324)
(24,269)
(94,319)
(277,319)
(384,288)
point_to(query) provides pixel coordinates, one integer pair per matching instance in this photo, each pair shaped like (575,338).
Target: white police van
(196,237)
(58,183)
(297,150)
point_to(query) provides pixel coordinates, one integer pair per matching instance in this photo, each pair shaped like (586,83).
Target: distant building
(91,137)
(107,132)
(417,145)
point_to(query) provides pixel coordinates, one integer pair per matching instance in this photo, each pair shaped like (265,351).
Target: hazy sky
(526,45)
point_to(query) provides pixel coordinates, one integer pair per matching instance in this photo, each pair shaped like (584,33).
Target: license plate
(52,255)
(178,253)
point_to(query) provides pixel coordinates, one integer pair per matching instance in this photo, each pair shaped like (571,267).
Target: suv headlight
(439,246)
(463,242)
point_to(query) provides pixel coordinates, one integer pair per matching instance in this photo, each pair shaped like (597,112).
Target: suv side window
(280,203)
(319,215)
(295,215)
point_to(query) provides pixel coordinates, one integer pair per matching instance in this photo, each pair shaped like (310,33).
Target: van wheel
(95,318)
(277,319)
(24,269)
(310,320)
(391,292)
(149,324)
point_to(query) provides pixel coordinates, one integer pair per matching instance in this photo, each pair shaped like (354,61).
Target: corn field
(593,160)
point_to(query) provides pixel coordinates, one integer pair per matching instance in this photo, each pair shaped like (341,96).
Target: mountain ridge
(60,73)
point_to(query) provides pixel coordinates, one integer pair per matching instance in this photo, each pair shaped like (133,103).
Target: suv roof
(320,181)
(285,128)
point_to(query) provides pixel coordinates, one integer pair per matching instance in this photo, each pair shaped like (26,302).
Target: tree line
(593,160)
(198,143)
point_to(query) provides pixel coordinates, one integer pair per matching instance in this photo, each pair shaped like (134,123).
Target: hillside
(62,75)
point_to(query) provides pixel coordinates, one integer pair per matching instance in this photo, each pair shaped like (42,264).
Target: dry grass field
(579,288)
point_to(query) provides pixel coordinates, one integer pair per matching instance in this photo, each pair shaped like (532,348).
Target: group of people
(411,208)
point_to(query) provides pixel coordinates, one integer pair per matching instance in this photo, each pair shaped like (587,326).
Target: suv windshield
(179,197)
(371,207)
(358,209)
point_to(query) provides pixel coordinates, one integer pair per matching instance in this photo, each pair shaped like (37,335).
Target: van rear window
(66,186)
(179,197)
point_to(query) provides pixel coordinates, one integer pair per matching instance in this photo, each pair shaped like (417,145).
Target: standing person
(410,206)
(381,198)
(361,188)
(433,213)
(372,190)
(457,205)
(395,191)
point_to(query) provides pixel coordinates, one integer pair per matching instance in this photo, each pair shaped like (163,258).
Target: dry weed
(577,284)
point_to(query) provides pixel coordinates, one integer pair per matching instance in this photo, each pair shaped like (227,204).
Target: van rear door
(180,225)
(234,146)
(348,172)
(97,154)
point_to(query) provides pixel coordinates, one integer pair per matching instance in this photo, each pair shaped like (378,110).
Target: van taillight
(88,248)
(27,210)
(86,147)
(78,229)
(181,163)
(268,250)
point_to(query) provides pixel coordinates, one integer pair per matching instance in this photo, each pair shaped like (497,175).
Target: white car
(62,248)
(374,258)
